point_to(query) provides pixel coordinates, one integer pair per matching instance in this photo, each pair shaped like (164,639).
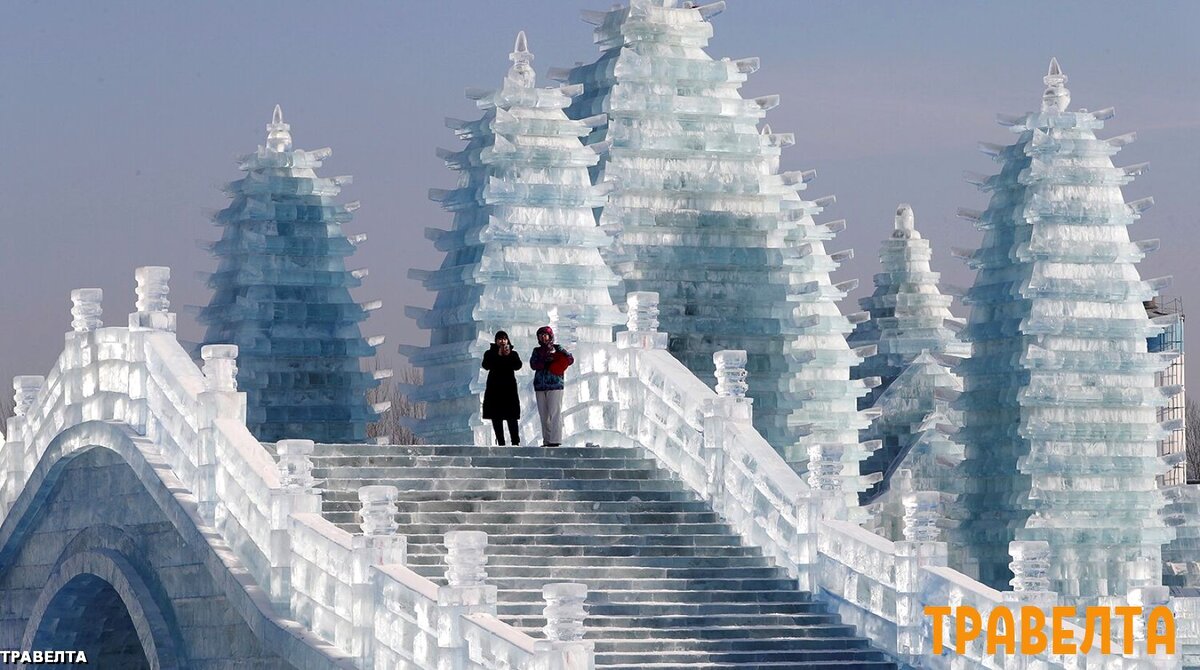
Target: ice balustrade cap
(1030,565)
(295,466)
(378,513)
(86,309)
(25,390)
(220,366)
(565,611)
(922,510)
(466,557)
(731,373)
(152,288)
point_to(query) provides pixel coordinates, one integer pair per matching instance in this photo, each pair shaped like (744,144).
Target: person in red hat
(549,362)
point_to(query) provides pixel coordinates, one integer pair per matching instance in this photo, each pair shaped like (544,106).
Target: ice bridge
(142,523)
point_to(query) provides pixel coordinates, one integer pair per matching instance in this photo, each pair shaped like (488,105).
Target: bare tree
(391,424)
(1192,439)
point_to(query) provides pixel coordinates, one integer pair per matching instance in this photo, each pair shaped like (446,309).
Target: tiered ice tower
(908,312)
(281,293)
(1059,400)
(909,315)
(703,217)
(524,242)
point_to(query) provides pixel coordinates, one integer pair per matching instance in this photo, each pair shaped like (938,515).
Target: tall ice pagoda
(702,216)
(524,243)
(281,293)
(1059,398)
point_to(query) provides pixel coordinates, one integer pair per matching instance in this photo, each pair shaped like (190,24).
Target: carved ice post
(564,320)
(825,479)
(920,548)
(79,352)
(377,545)
(730,406)
(219,400)
(152,304)
(151,314)
(1031,585)
(14,459)
(564,647)
(641,334)
(465,593)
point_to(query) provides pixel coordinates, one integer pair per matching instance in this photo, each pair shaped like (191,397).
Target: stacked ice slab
(281,293)
(524,242)
(1059,399)
(909,316)
(703,217)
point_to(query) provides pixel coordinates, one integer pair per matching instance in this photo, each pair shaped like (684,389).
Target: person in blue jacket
(500,400)
(549,362)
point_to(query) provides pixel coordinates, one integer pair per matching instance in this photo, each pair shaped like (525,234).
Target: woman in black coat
(500,400)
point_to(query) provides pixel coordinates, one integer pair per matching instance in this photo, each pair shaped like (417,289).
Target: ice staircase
(669,584)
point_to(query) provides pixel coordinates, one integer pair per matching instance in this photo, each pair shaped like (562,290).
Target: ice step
(670,597)
(782,665)
(499,573)
(458,473)
(555,540)
(334,450)
(695,623)
(654,609)
(592,552)
(650,523)
(401,461)
(537,507)
(750,630)
(350,493)
(742,658)
(786,642)
(566,563)
(504,484)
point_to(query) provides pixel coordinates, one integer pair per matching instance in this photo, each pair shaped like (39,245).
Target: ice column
(281,293)
(524,242)
(1059,425)
(702,216)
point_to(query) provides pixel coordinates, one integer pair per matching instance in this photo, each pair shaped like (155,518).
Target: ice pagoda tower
(524,242)
(909,317)
(1059,400)
(908,312)
(281,293)
(702,215)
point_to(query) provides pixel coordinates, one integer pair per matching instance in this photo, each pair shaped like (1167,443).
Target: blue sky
(119,121)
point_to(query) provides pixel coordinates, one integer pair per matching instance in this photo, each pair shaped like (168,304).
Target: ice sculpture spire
(702,216)
(1059,423)
(909,317)
(524,241)
(281,294)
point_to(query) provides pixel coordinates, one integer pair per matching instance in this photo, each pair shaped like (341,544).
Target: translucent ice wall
(1059,399)
(702,216)
(524,243)
(281,293)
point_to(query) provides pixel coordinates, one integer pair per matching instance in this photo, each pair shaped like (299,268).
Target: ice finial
(521,72)
(1057,97)
(766,129)
(279,136)
(906,227)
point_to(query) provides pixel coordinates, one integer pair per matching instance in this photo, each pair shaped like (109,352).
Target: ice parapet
(524,243)
(281,293)
(1059,426)
(702,216)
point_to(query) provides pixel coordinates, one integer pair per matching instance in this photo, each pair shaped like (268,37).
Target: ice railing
(350,590)
(634,391)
